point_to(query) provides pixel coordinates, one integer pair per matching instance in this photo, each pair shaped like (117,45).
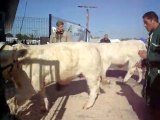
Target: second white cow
(121,53)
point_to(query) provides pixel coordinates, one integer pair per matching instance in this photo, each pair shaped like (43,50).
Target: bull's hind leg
(105,68)
(131,69)
(45,100)
(94,85)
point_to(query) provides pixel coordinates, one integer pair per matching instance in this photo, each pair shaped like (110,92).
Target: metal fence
(43,27)
(36,27)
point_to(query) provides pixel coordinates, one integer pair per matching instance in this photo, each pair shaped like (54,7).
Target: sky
(117,18)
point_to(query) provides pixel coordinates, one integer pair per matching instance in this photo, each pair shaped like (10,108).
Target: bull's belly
(62,77)
(119,62)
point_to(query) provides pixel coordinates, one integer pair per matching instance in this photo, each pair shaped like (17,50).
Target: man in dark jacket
(151,90)
(105,39)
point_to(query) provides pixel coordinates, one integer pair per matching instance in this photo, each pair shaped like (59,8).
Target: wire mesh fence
(30,26)
(36,28)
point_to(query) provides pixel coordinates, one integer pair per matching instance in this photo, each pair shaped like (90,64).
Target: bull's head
(9,59)
(9,64)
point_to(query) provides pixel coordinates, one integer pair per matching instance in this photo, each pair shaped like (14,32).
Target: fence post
(50,24)
(86,35)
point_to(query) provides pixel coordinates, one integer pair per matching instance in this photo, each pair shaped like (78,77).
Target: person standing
(105,39)
(60,35)
(151,88)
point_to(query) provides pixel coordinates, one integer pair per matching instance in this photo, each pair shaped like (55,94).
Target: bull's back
(69,58)
(121,52)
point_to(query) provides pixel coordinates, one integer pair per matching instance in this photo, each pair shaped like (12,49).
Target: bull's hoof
(106,82)
(139,81)
(120,83)
(124,81)
(86,107)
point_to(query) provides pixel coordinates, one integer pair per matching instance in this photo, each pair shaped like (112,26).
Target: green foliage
(21,36)
(25,37)
(9,35)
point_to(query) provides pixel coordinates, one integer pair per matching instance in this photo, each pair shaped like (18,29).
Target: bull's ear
(21,53)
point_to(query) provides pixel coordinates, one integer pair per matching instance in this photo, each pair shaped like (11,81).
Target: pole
(87,20)
(50,24)
(87,24)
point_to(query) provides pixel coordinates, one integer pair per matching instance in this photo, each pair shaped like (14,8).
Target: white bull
(58,62)
(121,53)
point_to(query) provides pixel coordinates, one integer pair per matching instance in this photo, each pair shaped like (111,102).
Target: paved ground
(116,102)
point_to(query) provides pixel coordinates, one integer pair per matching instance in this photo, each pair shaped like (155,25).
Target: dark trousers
(151,90)
(4,109)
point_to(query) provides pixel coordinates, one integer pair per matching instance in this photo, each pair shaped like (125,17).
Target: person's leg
(4,109)
(155,98)
(145,82)
(155,113)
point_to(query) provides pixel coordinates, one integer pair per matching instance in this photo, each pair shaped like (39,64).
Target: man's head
(60,26)
(150,20)
(106,36)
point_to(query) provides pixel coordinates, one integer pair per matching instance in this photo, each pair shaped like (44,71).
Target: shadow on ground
(137,102)
(34,113)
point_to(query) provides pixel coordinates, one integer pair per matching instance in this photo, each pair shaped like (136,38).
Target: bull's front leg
(38,83)
(94,85)
(45,100)
(129,74)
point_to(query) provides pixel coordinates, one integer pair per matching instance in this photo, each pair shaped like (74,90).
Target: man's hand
(142,54)
(139,64)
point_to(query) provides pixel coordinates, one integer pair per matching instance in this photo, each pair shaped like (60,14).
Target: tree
(9,35)
(19,36)
(25,37)
(31,36)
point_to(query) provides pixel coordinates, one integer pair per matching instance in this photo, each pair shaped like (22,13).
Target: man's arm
(142,54)
(143,62)
(156,46)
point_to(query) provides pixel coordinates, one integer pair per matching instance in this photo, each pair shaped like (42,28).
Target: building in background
(8,10)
